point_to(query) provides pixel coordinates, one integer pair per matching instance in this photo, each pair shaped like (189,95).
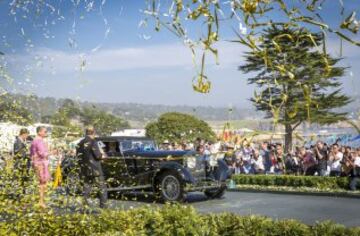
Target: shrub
(321,183)
(168,220)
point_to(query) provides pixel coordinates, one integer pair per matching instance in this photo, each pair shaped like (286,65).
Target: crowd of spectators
(320,159)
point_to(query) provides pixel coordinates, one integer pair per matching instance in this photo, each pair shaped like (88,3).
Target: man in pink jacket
(39,156)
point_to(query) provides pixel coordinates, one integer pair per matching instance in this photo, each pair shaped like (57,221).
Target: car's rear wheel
(170,187)
(216,193)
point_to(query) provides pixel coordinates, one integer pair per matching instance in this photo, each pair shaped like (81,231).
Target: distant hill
(140,114)
(44,107)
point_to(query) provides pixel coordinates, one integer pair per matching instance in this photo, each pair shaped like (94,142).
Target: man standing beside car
(90,155)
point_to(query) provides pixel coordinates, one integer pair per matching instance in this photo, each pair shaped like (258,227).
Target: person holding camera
(321,156)
(265,153)
(280,159)
(346,163)
(308,161)
(355,163)
(292,164)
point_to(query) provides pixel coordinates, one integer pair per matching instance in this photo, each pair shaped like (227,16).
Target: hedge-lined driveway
(307,209)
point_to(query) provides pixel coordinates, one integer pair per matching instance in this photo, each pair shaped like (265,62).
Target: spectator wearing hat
(246,157)
(166,146)
(230,157)
(239,162)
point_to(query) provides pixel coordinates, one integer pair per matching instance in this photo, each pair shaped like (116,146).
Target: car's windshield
(145,145)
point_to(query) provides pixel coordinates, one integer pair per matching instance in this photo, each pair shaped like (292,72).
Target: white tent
(130,132)
(8,132)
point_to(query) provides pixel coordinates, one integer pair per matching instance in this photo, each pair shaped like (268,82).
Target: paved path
(307,209)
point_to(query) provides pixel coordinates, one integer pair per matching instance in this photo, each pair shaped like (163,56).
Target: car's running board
(200,188)
(129,188)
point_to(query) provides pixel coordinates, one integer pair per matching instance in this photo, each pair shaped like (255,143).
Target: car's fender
(172,165)
(223,171)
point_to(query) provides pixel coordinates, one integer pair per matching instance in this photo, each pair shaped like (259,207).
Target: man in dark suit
(90,155)
(21,159)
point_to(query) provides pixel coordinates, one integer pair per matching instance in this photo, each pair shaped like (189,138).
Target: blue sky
(123,62)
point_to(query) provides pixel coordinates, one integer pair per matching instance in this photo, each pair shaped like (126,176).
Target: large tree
(104,123)
(297,83)
(72,118)
(12,110)
(186,17)
(179,127)
(63,119)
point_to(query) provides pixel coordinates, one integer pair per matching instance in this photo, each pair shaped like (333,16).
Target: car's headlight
(191,162)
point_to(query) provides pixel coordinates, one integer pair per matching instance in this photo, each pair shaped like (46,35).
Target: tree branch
(296,125)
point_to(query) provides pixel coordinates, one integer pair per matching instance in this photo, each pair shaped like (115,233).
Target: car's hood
(158,153)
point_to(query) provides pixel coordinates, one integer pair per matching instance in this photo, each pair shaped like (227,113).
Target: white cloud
(158,56)
(47,60)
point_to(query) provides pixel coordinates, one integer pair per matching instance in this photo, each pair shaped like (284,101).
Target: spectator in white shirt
(335,159)
(257,162)
(246,157)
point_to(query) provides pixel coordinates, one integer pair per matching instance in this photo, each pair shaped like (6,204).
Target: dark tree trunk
(288,138)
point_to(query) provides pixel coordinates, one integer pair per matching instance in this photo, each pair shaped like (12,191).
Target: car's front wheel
(170,187)
(216,193)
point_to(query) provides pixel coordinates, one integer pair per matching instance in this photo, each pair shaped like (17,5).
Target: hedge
(168,220)
(296,190)
(318,182)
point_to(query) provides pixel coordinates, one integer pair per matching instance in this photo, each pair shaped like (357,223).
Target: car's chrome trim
(129,188)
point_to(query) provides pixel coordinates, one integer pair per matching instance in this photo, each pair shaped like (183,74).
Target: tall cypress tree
(296,81)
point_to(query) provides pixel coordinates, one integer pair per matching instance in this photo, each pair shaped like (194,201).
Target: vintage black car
(134,163)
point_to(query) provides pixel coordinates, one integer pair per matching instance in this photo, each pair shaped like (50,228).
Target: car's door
(145,169)
(114,165)
(147,162)
(137,165)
